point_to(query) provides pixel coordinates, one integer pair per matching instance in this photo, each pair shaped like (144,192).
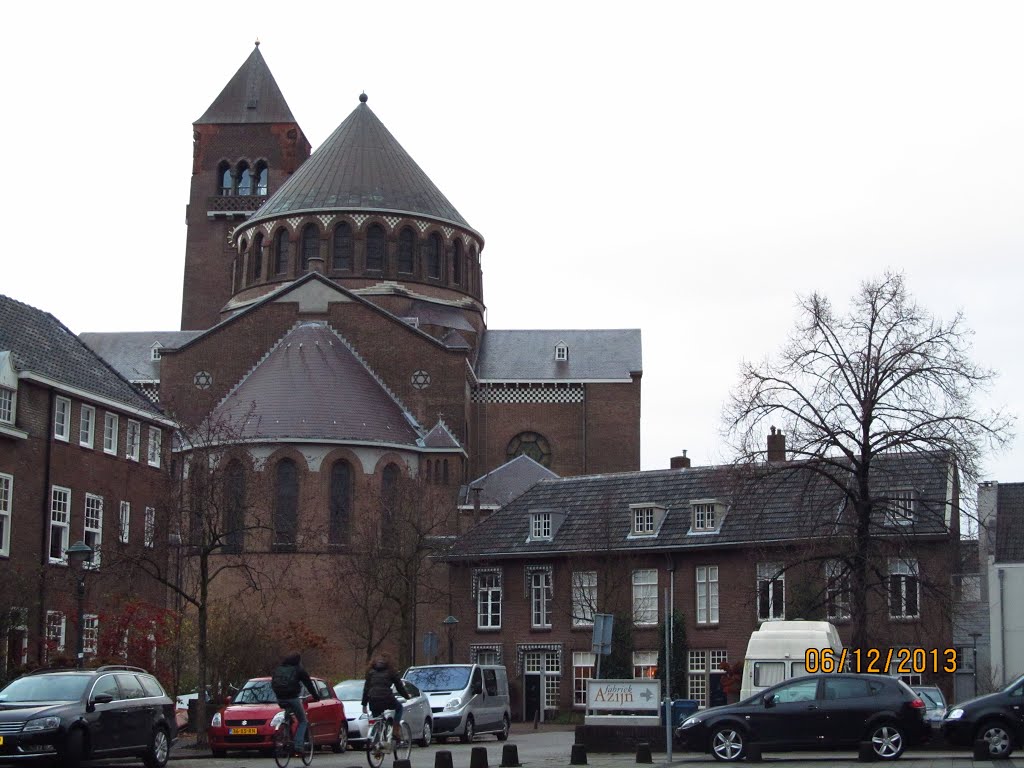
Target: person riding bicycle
(378,694)
(287,682)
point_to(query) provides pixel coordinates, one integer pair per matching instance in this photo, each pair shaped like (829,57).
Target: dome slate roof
(361,166)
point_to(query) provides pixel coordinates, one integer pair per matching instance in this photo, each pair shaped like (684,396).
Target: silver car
(935,705)
(415,712)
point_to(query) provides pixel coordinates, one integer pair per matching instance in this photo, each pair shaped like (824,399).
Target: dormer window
(900,507)
(540,525)
(8,389)
(646,519)
(561,352)
(154,351)
(706,515)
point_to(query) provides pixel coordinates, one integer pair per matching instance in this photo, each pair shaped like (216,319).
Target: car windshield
(932,697)
(430,679)
(46,688)
(349,690)
(256,692)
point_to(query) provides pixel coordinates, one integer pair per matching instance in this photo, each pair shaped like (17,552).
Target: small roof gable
(505,483)
(441,437)
(131,353)
(251,96)
(1010,523)
(600,355)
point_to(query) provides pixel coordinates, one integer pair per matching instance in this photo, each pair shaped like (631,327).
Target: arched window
(257,256)
(389,487)
(444,476)
(243,264)
(406,248)
(234,507)
(341,502)
(342,256)
(426,475)
(262,177)
(473,278)
(375,239)
(244,179)
(281,251)
(286,504)
(227,182)
(432,255)
(437,472)
(457,262)
(310,245)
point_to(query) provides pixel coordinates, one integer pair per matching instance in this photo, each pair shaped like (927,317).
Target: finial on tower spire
(363,97)
(257,42)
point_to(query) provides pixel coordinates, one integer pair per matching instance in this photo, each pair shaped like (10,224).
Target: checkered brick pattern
(539,393)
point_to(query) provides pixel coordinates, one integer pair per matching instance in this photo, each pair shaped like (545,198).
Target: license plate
(242,731)
(1,741)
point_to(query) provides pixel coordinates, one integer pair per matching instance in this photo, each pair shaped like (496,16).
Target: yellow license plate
(242,731)
(1,741)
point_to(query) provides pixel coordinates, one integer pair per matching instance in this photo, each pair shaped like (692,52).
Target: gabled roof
(441,437)
(130,353)
(505,483)
(41,344)
(1010,523)
(594,355)
(251,96)
(360,166)
(312,386)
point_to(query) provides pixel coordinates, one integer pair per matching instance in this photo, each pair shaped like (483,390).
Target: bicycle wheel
(375,745)
(404,747)
(308,747)
(283,745)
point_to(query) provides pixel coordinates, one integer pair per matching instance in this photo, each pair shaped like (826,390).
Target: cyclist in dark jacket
(378,694)
(288,694)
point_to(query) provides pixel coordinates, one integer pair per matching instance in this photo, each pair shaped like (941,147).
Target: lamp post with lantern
(78,554)
(449,624)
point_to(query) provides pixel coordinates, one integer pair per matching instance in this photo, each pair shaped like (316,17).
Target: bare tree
(885,379)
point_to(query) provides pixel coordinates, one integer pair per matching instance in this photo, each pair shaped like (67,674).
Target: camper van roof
(799,625)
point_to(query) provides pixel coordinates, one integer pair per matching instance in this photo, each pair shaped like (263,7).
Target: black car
(820,712)
(76,715)
(997,719)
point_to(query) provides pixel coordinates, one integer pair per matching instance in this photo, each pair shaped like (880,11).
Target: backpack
(285,681)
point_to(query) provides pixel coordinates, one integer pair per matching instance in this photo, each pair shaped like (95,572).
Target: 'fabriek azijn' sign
(623,694)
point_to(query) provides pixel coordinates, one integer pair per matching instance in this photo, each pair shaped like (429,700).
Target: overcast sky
(682,168)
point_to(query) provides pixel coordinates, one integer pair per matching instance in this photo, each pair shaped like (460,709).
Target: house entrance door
(531,694)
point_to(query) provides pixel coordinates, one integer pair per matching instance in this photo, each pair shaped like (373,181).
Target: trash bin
(682,709)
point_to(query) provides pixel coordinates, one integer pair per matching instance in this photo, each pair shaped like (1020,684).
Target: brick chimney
(679,462)
(776,446)
(316,264)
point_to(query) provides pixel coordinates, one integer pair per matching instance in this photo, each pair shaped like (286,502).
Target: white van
(776,651)
(465,699)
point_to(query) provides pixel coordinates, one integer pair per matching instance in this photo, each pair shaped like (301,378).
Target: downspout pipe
(44,554)
(1002,625)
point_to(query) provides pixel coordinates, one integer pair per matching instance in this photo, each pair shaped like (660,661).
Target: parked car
(820,712)
(183,700)
(249,719)
(415,711)
(997,718)
(935,705)
(76,715)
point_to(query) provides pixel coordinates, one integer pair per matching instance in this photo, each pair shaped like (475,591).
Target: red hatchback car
(251,717)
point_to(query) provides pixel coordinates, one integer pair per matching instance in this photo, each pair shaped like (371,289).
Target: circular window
(530,444)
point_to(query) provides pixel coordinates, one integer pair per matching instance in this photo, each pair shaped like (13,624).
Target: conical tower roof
(251,96)
(361,165)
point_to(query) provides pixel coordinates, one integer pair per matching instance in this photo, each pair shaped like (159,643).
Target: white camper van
(777,649)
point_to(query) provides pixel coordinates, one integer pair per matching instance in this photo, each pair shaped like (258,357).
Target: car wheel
(74,749)
(427,735)
(469,733)
(727,744)
(887,741)
(998,738)
(505,727)
(159,749)
(341,744)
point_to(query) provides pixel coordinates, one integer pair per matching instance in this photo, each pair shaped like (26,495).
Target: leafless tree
(885,379)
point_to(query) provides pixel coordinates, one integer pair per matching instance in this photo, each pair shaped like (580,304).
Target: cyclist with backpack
(287,682)
(378,692)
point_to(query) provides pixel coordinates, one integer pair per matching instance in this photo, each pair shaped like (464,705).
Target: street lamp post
(974,650)
(78,553)
(449,625)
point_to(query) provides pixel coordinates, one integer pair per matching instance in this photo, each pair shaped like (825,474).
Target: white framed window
(154,351)
(6,501)
(55,629)
(643,521)
(540,598)
(110,433)
(60,524)
(488,601)
(645,664)
(584,598)
(900,507)
(704,676)
(548,664)
(561,353)
(94,527)
(131,439)
(837,590)
(904,590)
(149,527)
(707,594)
(90,633)
(645,596)
(583,664)
(153,447)
(7,403)
(703,517)
(771,591)
(62,419)
(86,426)
(124,522)
(540,525)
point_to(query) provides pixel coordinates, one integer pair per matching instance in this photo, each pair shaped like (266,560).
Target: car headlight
(42,724)
(954,714)
(453,704)
(216,720)
(277,719)
(690,721)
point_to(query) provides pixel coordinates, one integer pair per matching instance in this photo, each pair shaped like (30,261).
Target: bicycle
(379,741)
(284,741)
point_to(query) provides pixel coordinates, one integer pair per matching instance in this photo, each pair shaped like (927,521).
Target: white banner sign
(623,694)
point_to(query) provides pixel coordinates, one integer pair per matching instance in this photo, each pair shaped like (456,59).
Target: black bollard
(510,756)
(478,757)
(443,759)
(403,764)
(643,752)
(579,754)
(866,752)
(981,750)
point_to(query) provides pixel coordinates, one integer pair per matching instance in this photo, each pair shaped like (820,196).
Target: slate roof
(130,353)
(594,355)
(767,504)
(251,96)
(503,484)
(1010,523)
(360,166)
(42,344)
(441,437)
(312,386)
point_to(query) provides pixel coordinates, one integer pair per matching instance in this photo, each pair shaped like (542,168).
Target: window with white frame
(90,633)
(154,351)
(7,398)
(549,664)
(485,654)
(704,673)
(488,601)
(584,598)
(707,594)
(837,590)
(704,517)
(153,447)
(771,591)
(643,521)
(149,528)
(60,521)
(645,596)
(645,664)
(540,525)
(583,664)
(124,522)
(62,419)
(131,439)
(904,590)
(540,598)
(110,433)
(900,507)
(55,627)
(86,426)
(561,353)
(6,496)
(94,527)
